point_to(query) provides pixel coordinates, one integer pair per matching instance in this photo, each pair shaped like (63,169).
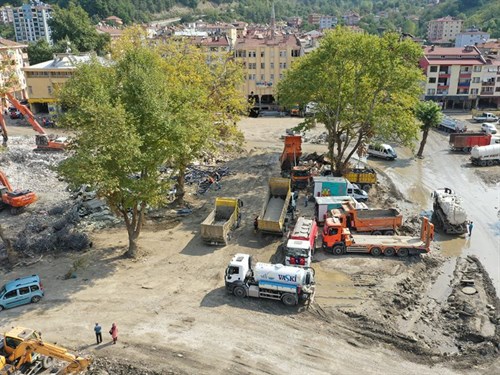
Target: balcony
(488,83)
(464,84)
(487,92)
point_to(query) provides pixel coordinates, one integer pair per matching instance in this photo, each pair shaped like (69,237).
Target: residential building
(490,49)
(266,54)
(220,30)
(327,22)
(351,18)
(44,79)
(114,33)
(461,77)
(444,29)
(294,22)
(14,58)
(31,22)
(113,21)
(471,38)
(313,18)
(6,14)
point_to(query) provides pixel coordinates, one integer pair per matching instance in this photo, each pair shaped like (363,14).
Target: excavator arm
(3,130)
(22,354)
(26,113)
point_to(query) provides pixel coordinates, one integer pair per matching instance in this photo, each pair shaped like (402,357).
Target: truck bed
(370,214)
(402,241)
(273,209)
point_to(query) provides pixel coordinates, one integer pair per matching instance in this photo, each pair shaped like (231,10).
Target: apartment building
(266,55)
(31,22)
(313,18)
(351,18)
(471,38)
(14,59)
(461,77)
(327,22)
(44,79)
(6,14)
(444,29)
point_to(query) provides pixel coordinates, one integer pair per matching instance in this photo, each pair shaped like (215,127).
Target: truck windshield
(301,173)
(293,252)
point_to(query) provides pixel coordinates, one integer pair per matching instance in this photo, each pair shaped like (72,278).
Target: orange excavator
(15,199)
(44,142)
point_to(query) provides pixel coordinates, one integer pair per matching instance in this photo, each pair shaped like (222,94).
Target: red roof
(456,62)
(450,51)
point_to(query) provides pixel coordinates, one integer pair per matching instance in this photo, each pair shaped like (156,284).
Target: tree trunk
(133,222)
(11,254)
(422,143)
(181,183)
(132,246)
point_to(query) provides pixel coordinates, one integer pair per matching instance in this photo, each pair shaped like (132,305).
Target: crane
(44,142)
(15,199)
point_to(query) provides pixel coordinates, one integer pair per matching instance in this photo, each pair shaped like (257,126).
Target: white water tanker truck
(290,285)
(449,213)
(485,155)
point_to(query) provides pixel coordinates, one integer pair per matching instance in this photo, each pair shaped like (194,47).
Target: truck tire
(403,252)
(389,232)
(240,292)
(375,251)
(376,233)
(389,252)
(289,299)
(467,149)
(366,187)
(338,250)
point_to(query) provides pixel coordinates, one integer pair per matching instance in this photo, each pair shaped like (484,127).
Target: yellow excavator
(22,352)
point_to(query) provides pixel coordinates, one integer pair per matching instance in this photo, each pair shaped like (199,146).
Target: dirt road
(174,316)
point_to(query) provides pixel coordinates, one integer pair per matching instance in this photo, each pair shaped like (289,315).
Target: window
(271,77)
(283,53)
(432,80)
(262,77)
(252,54)
(295,52)
(272,65)
(24,291)
(261,53)
(262,65)
(477,68)
(333,231)
(431,92)
(282,65)
(49,89)
(34,288)
(30,90)
(433,69)
(476,80)
(251,77)
(252,65)
(11,294)
(241,53)
(281,76)
(474,91)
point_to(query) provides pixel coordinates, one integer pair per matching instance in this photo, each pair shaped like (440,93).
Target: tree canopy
(365,87)
(151,106)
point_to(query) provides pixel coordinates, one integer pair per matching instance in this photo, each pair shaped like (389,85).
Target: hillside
(409,16)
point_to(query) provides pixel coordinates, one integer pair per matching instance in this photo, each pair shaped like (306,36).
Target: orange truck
(376,221)
(300,175)
(338,240)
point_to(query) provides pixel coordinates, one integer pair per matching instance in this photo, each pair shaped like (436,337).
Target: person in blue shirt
(98,333)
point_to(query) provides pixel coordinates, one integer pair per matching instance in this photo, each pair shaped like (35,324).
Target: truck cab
(238,271)
(334,233)
(301,176)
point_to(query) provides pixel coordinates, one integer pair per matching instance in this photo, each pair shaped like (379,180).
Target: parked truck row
(466,141)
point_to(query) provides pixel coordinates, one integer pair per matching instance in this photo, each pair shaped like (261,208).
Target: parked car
(489,128)
(21,291)
(15,114)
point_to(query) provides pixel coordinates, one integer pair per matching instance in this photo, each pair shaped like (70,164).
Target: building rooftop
(446,19)
(65,61)
(6,44)
(257,37)
(438,52)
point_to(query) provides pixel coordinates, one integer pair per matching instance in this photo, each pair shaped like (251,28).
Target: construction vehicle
(375,221)
(485,117)
(301,243)
(292,151)
(338,240)
(272,218)
(448,212)
(450,125)
(295,111)
(363,177)
(323,206)
(225,217)
(44,142)
(484,156)
(290,285)
(24,352)
(466,141)
(15,199)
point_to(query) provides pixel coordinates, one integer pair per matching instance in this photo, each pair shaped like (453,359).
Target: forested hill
(408,15)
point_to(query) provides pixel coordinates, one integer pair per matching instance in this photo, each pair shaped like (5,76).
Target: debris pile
(107,366)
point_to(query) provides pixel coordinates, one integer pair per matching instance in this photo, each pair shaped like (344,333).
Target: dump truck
(449,213)
(301,243)
(451,125)
(323,205)
(377,221)
(272,218)
(225,217)
(486,117)
(466,141)
(339,240)
(484,156)
(292,151)
(363,177)
(291,285)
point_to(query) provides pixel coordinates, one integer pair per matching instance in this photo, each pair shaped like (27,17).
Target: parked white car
(489,128)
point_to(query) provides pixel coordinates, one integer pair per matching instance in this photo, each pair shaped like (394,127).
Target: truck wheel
(240,292)
(375,251)
(467,149)
(489,163)
(289,299)
(35,299)
(403,253)
(482,163)
(366,187)
(376,233)
(389,232)
(338,250)
(389,252)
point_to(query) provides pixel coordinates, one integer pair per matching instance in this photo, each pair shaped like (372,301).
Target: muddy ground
(370,315)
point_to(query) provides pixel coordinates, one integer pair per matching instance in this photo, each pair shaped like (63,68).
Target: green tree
(430,116)
(39,51)
(365,86)
(74,24)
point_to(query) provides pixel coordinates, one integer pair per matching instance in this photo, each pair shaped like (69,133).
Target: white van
(382,150)
(354,191)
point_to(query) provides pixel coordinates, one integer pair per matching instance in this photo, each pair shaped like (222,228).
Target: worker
(255,224)
(98,333)
(471,226)
(114,333)
(306,199)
